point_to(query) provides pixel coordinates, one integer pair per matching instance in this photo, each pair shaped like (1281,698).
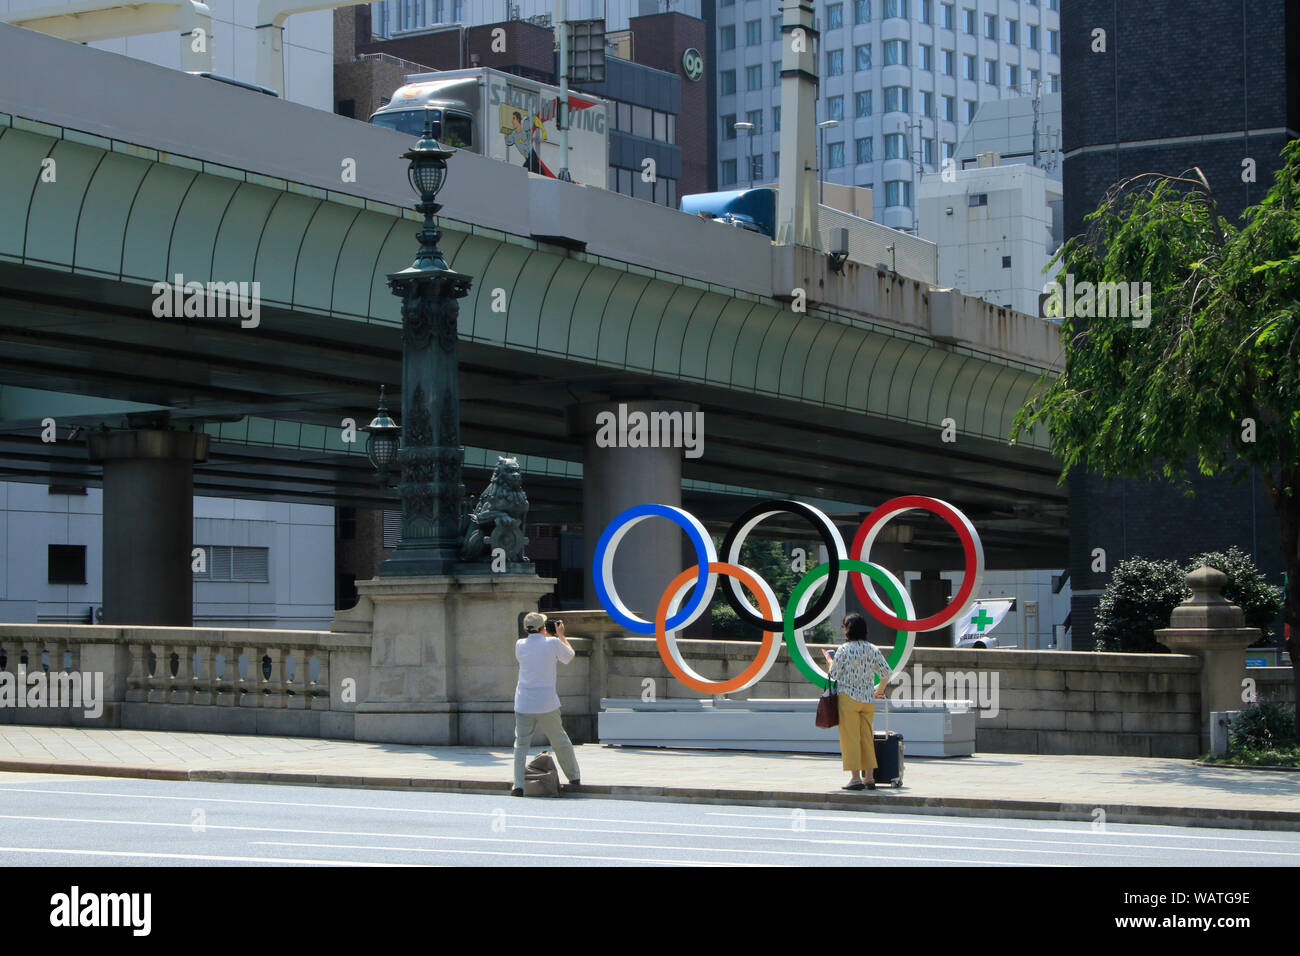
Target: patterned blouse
(854,666)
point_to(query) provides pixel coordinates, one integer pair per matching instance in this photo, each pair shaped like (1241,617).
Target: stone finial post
(1214,630)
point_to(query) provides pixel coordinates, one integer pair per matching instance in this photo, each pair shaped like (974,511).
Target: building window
(895,146)
(835,108)
(950,109)
(927,152)
(968,66)
(925,11)
(948,62)
(834,155)
(862,103)
(754,77)
(898,99)
(1013,31)
(728,172)
(776,163)
(968,22)
(1031,36)
(925,56)
(1013,76)
(1006,262)
(863,147)
(65,564)
(947,16)
(978,199)
(753,32)
(898,193)
(457,11)
(835,16)
(861,11)
(834,62)
(642,122)
(776,119)
(895,8)
(729,126)
(727,38)
(1054,5)
(991,72)
(1054,42)
(755,117)
(234,564)
(990,26)
(971,107)
(756,169)
(776,73)
(1033,80)
(862,57)
(948,150)
(895,53)
(1053,83)
(727,82)
(926,103)
(776,27)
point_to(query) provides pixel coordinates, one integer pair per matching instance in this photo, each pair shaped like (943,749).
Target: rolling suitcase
(889,755)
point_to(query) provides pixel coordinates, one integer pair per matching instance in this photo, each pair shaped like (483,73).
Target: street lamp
(749,128)
(384,440)
(430,455)
(822,127)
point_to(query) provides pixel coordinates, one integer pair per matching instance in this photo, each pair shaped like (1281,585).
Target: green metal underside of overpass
(816,405)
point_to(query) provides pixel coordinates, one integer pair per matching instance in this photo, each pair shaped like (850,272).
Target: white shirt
(537,655)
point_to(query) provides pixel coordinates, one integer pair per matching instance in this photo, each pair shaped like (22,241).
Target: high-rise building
(1164,86)
(901,78)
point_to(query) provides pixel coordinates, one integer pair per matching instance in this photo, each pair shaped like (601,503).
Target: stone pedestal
(1207,626)
(442,661)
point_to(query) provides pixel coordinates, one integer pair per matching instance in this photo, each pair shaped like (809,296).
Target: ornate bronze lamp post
(430,457)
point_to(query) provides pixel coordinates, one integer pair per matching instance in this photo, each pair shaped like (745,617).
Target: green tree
(1215,376)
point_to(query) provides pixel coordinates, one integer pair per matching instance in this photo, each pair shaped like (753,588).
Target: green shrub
(1263,726)
(1143,592)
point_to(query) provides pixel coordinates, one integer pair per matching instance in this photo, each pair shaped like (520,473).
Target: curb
(863,801)
(1242,766)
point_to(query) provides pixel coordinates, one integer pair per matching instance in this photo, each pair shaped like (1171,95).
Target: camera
(550,625)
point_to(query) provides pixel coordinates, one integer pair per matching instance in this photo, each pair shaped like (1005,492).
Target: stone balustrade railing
(305,682)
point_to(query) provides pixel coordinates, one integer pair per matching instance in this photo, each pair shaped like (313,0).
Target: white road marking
(213,858)
(549,856)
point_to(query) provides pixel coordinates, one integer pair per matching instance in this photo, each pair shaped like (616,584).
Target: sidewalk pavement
(1129,789)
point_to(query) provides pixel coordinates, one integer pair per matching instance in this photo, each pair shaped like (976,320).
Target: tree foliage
(1214,378)
(773,561)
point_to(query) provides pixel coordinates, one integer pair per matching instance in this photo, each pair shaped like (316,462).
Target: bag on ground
(542,779)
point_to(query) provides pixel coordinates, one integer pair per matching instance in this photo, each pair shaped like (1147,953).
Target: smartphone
(550,626)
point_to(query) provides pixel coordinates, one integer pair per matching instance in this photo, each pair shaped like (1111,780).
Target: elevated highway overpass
(579,296)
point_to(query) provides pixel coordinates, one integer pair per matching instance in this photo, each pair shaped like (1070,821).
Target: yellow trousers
(857,740)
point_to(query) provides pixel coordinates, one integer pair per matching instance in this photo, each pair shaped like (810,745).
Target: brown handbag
(828,707)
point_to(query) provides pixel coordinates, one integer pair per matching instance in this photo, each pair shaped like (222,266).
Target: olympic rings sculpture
(807,605)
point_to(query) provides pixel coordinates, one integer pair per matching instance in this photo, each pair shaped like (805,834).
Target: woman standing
(854,665)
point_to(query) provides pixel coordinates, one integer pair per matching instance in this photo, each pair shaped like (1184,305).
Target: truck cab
(451,108)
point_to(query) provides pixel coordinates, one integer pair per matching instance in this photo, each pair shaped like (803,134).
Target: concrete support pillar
(618,475)
(148,524)
(270,55)
(1207,626)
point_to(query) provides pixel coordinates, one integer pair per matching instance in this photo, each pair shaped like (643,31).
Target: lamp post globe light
(430,455)
(384,439)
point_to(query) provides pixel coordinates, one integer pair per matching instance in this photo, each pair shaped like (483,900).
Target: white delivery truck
(506,117)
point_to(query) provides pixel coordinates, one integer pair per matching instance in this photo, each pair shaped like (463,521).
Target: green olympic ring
(794,641)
